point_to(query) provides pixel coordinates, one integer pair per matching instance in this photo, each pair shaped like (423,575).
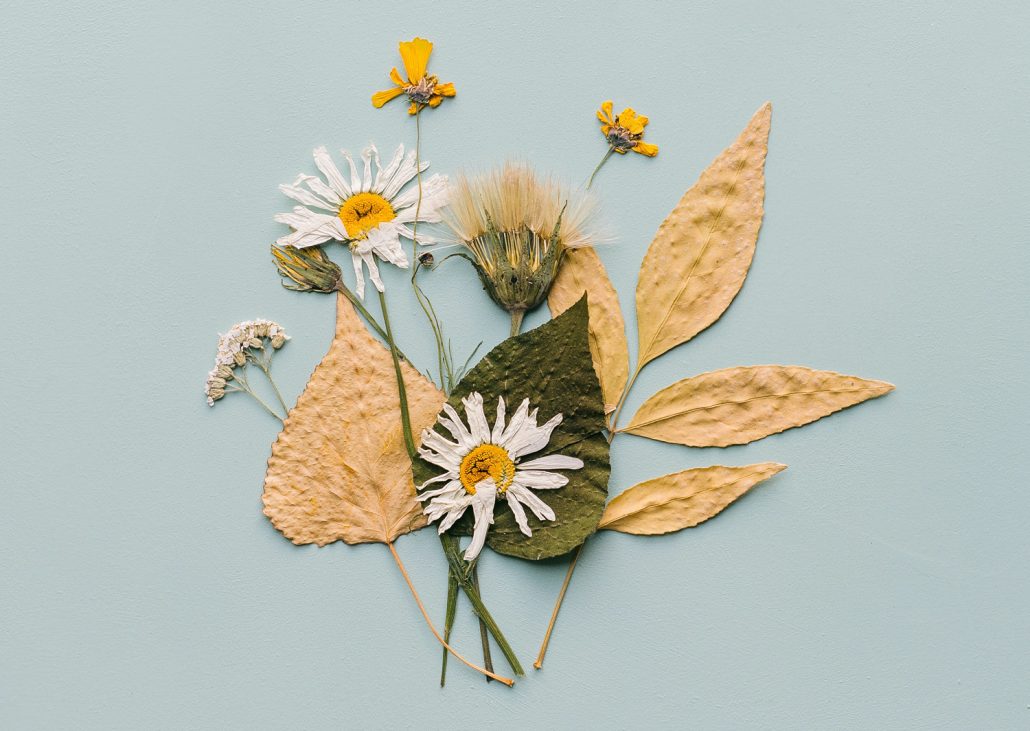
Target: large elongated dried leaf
(700,256)
(582,271)
(682,499)
(740,405)
(339,469)
(551,367)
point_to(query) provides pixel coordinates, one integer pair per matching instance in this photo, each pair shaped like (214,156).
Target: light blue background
(881,582)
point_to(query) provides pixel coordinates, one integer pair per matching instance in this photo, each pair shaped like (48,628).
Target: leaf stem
(409,442)
(404,572)
(600,165)
(557,607)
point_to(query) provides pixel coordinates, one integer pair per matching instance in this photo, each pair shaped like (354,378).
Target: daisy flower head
(368,211)
(625,132)
(422,89)
(484,464)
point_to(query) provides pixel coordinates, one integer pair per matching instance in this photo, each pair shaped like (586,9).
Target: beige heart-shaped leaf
(740,405)
(700,256)
(339,469)
(682,499)
(582,271)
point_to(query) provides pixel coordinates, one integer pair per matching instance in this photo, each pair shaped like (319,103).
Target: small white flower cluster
(232,347)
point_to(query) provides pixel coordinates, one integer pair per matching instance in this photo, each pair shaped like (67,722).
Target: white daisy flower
(484,464)
(367,212)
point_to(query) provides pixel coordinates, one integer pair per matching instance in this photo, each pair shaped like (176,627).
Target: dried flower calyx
(516,229)
(310,270)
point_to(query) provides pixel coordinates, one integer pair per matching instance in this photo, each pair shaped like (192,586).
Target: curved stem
(404,572)
(600,165)
(409,442)
(557,607)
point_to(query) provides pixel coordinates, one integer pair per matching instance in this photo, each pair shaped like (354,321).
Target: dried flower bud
(426,259)
(224,371)
(216,382)
(278,341)
(239,358)
(253,343)
(309,268)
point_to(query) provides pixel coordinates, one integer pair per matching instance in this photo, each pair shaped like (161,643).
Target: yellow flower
(422,89)
(625,132)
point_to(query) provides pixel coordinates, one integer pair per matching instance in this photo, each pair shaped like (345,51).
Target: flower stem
(266,368)
(483,634)
(409,442)
(242,385)
(360,307)
(516,322)
(404,572)
(600,165)
(452,608)
(462,573)
(557,607)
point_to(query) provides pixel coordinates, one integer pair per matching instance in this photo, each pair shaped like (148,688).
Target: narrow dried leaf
(582,271)
(740,405)
(339,469)
(700,256)
(682,499)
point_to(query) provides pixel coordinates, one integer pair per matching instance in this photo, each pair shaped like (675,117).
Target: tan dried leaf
(700,256)
(682,499)
(742,404)
(339,469)
(582,271)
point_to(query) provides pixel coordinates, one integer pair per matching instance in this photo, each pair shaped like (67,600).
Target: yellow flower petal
(381,97)
(395,77)
(415,54)
(445,89)
(434,100)
(604,114)
(605,129)
(413,108)
(646,148)
(632,121)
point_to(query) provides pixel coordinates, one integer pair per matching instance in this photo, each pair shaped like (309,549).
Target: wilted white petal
(326,166)
(476,418)
(540,509)
(552,462)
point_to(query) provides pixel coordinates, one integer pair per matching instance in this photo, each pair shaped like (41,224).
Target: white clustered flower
(232,352)
(367,212)
(484,463)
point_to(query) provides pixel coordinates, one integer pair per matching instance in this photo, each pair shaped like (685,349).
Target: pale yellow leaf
(682,499)
(700,256)
(339,469)
(582,271)
(740,405)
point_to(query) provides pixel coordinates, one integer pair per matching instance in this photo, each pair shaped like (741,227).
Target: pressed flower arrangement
(513,450)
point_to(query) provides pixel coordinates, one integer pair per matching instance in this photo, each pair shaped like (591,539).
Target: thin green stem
(243,385)
(600,165)
(266,368)
(452,609)
(557,607)
(462,572)
(484,636)
(409,442)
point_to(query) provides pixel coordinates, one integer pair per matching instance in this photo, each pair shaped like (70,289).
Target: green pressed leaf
(552,367)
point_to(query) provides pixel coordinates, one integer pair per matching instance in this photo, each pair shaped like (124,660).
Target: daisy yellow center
(486,460)
(363,212)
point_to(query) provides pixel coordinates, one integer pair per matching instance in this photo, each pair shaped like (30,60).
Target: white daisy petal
(552,462)
(540,509)
(456,427)
(495,435)
(518,512)
(439,478)
(373,271)
(355,179)
(366,157)
(533,438)
(385,175)
(451,488)
(433,193)
(433,440)
(476,418)
(326,166)
(540,480)
(516,423)
(359,277)
(455,513)
(321,189)
(483,508)
(304,196)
